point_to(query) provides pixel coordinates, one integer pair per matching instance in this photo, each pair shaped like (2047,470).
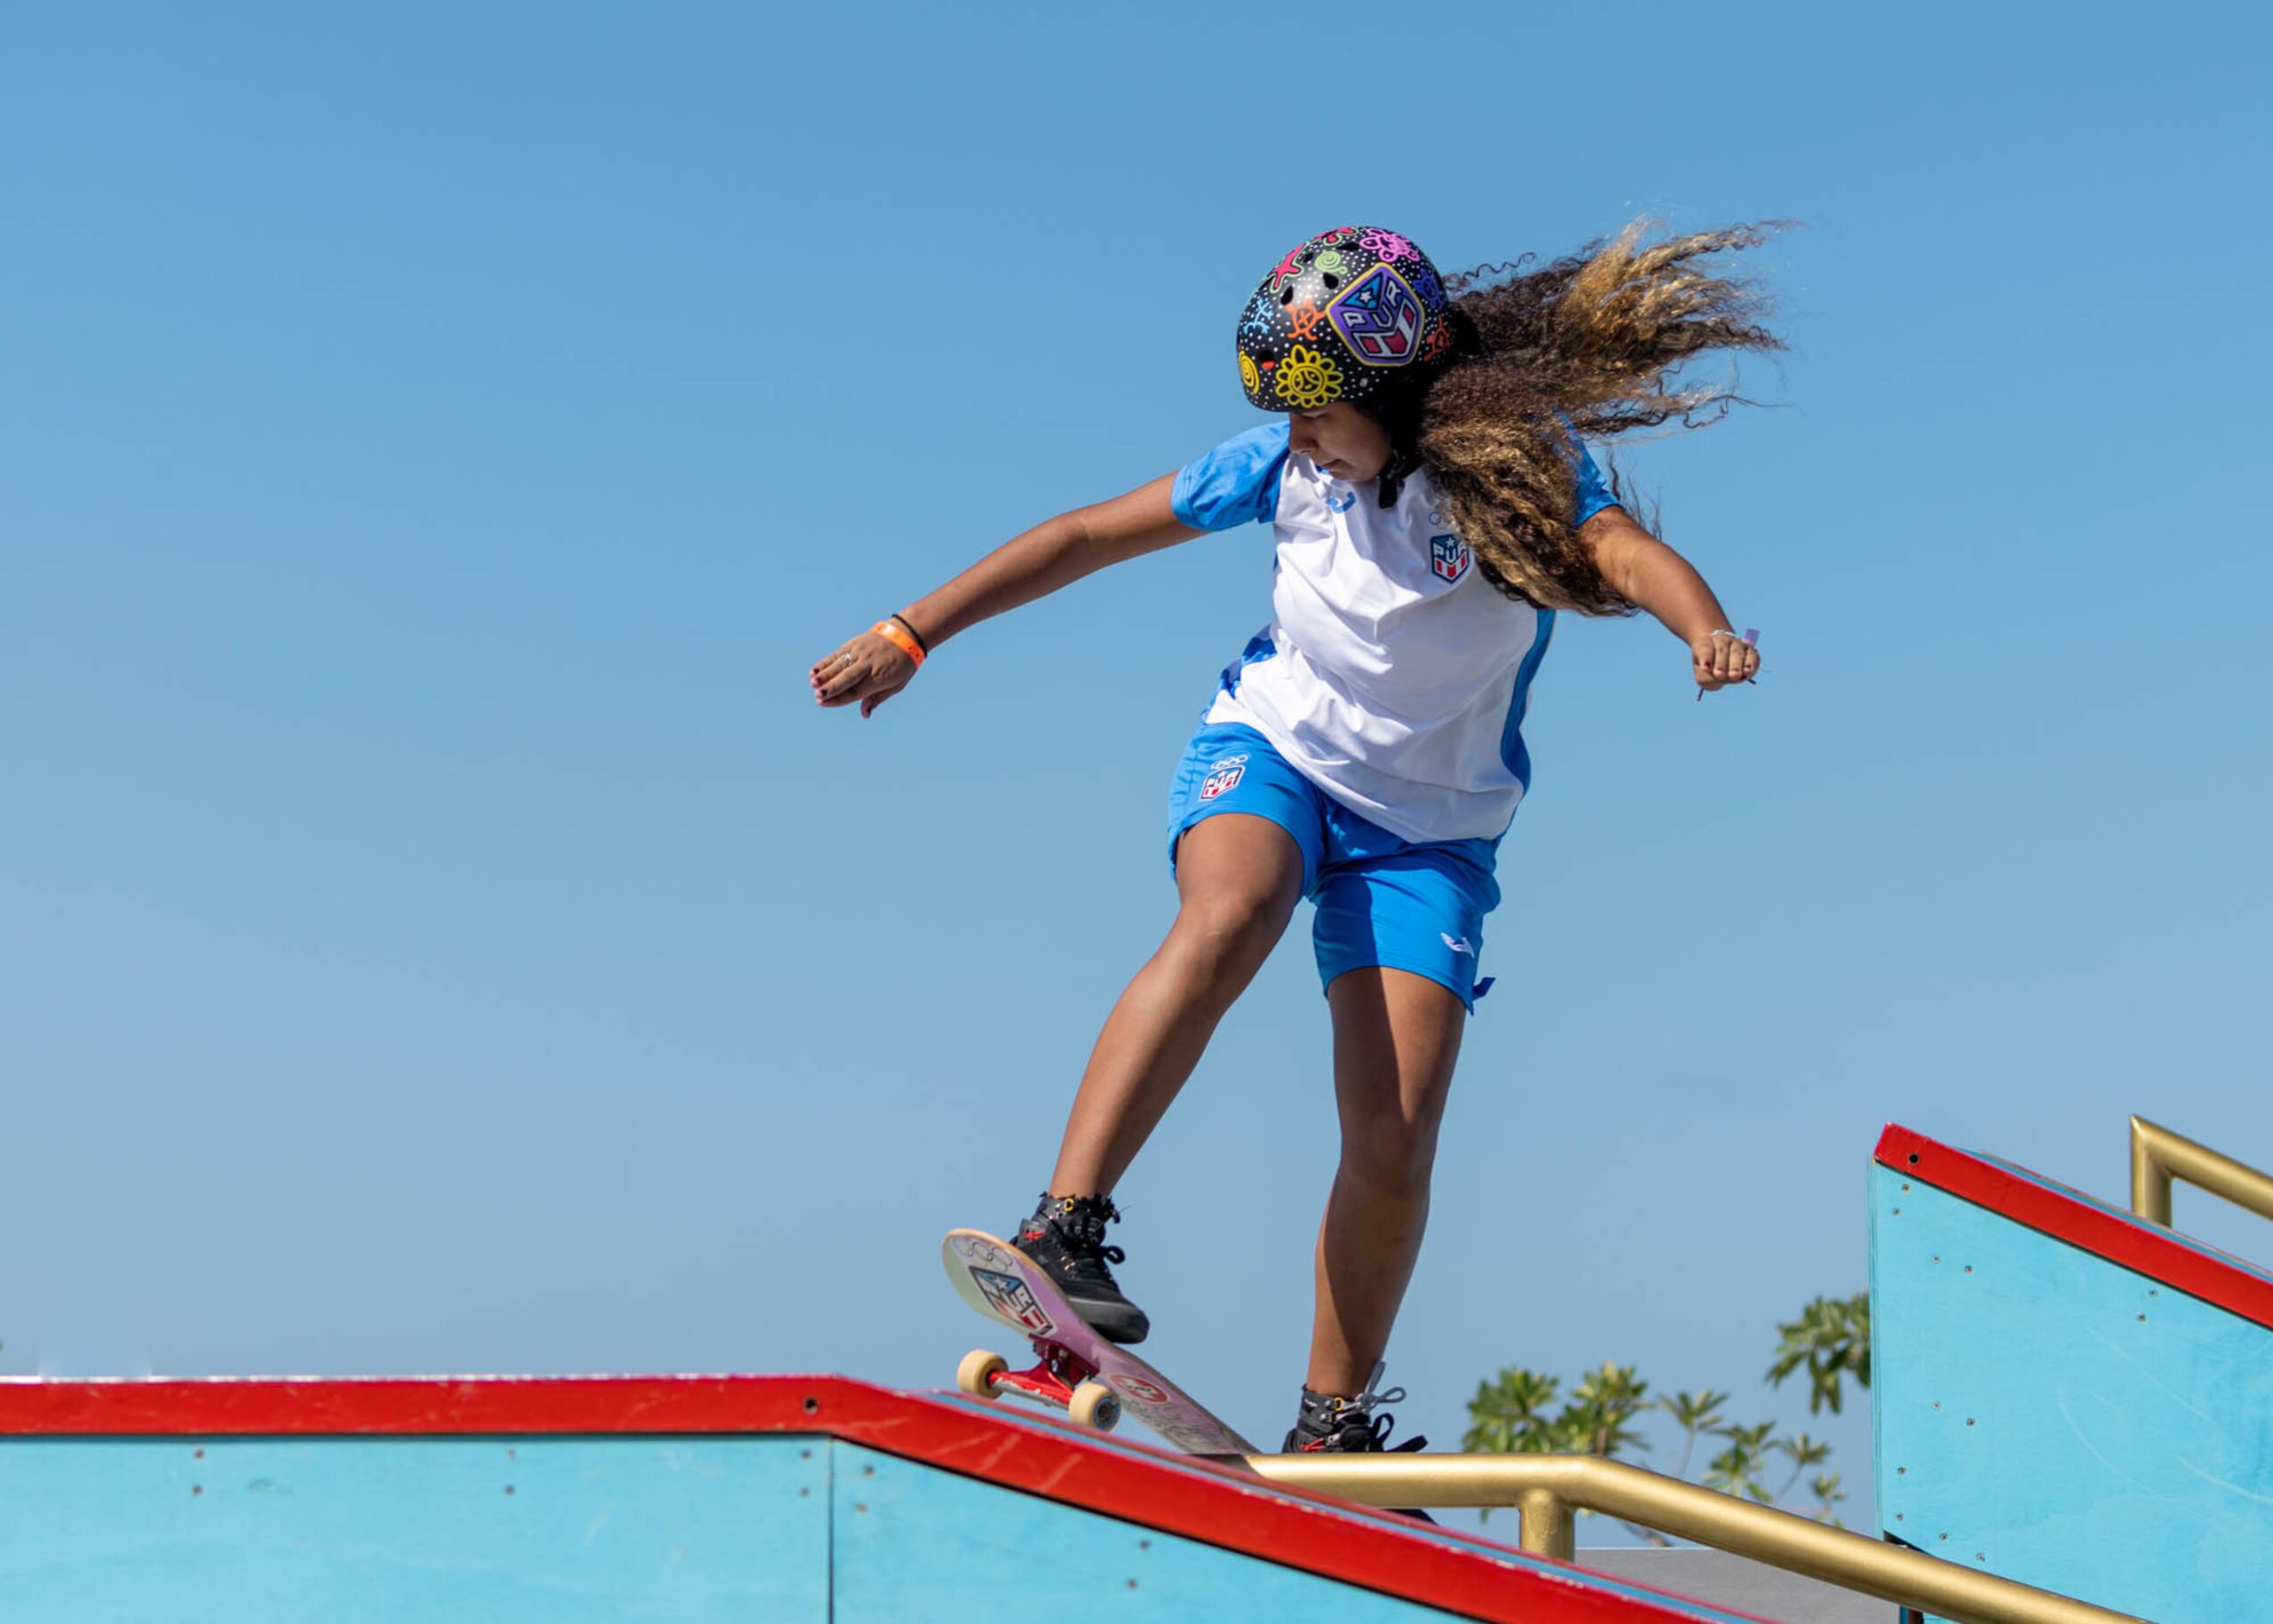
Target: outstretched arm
(1648,573)
(871,668)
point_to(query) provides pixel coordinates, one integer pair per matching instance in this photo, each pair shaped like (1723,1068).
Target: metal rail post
(2159,1156)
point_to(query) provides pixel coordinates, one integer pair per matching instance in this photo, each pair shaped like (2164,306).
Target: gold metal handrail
(2158,1155)
(1549,1490)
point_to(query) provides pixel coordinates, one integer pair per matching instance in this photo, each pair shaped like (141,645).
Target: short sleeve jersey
(1392,675)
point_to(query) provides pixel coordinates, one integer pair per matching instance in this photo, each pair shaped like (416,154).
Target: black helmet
(1347,314)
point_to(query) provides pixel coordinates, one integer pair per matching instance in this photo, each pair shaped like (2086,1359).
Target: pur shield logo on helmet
(1380,319)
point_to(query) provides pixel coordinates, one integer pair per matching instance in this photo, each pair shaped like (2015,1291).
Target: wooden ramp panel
(2065,1395)
(744,1498)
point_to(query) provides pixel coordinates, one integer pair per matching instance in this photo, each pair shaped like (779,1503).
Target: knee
(1390,1154)
(1229,932)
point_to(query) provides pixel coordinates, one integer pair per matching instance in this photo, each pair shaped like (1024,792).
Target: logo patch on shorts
(1450,556)
(1225,775)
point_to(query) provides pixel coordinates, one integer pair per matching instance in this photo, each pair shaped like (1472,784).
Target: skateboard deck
(1081,1372)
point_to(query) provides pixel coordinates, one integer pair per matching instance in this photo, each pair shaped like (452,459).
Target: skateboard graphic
(1077,1371)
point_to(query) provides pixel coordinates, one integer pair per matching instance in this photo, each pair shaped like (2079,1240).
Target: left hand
(866,667)
(1719,657)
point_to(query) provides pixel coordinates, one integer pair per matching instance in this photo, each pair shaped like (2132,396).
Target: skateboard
(1077,1371)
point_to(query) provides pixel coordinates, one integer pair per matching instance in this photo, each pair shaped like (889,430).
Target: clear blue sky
(439,931)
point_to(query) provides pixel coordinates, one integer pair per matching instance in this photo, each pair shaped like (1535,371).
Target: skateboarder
(1435,509)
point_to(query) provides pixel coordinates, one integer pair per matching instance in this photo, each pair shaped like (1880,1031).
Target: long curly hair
(1587,345)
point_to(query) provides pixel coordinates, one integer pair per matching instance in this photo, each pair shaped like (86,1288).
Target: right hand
(867,668)
(1719,657)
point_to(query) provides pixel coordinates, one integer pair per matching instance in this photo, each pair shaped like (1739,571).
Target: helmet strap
(1397,411)
(1402,461)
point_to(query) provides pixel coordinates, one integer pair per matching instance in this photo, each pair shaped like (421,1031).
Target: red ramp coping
(2054,1210)
(1111,1478)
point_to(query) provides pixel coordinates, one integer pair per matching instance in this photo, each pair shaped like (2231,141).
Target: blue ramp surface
(2065,1395)
(586,1500)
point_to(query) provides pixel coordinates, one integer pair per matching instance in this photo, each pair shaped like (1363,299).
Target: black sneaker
(1065,1238)
(1326,1425)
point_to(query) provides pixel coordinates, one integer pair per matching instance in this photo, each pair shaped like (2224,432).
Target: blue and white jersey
(1392,675)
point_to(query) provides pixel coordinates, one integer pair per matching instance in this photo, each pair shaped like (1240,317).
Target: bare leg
(1396,1037)
(1238,878)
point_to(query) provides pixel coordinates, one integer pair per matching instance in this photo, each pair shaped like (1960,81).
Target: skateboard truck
(1059,1378)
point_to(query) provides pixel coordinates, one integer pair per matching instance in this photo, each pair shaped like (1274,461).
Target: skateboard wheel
(1095,1405)
(976,1373)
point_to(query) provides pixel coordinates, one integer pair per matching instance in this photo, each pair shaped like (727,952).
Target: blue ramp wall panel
(1663,1599)
(916,1542)
(2047,1414)
(731,1497)
(444,1531)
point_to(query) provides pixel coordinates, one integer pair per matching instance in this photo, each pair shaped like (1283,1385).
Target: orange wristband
(896,634)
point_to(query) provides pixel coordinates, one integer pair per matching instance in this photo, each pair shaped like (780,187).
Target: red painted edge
(1133,1482)
(2150,1249)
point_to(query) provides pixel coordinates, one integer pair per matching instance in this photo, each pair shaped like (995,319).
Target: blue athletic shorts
(1381,901)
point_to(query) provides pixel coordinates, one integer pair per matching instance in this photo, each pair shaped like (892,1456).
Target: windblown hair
(1587,345)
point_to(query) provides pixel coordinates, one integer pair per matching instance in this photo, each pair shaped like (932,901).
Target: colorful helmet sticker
(1339,316)
(1380,319)
(1307,379)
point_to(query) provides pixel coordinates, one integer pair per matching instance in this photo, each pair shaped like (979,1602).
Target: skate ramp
(2066,1395)
(751,1498)
(1730,1581)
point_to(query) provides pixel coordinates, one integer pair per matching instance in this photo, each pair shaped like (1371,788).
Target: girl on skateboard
(1436,510)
